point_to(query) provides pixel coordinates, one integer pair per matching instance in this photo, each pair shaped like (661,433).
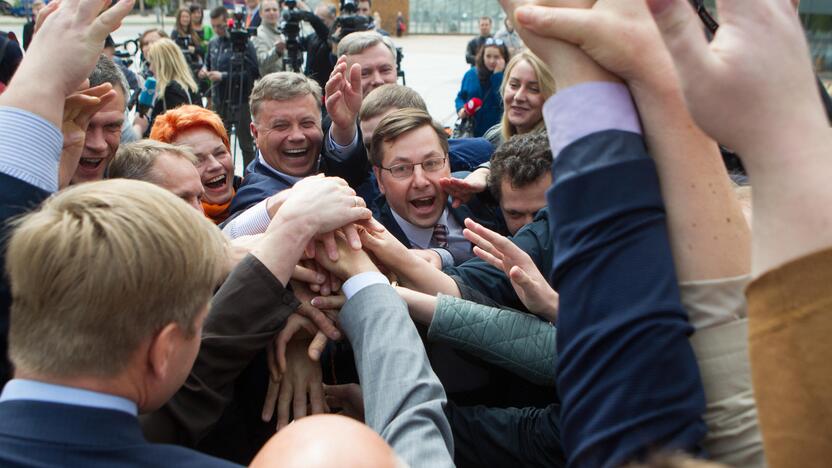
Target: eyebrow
(425,156)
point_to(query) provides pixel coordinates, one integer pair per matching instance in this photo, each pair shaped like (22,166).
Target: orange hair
(176,121)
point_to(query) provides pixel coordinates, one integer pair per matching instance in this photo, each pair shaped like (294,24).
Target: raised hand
(350,262)
(462,190)
(343,100)
(753,83)
(531,287)
(568,64)
(48,74)
(78,110)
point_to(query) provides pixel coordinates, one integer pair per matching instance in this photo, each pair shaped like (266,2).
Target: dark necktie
(440,237)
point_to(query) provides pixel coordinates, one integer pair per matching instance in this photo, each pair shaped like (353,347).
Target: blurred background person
(184,35)
(269,42)
(482,83)
(29,27)
(476,43)
(175,84)
(510,37)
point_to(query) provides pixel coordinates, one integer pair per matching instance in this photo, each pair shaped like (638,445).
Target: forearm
(519,342)
(281,249)
(708,233)
(419,275)
(421,306)
(403,397)
(27,92)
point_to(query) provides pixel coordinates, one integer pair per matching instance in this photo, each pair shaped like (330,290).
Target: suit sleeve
(403,398)
(628,378)
(246,313)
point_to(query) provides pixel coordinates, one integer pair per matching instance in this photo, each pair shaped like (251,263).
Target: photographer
(232,70)
(269,41)
(319,58)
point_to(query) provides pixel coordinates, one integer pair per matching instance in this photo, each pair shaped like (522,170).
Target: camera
(239,34)
(350,21)
(290,28)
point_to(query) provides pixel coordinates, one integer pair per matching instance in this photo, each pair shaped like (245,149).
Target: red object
(230,23)
(472,106)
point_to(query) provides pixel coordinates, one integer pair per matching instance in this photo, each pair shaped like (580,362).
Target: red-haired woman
(203,132)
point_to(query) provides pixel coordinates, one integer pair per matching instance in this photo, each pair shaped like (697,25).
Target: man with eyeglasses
(409,153)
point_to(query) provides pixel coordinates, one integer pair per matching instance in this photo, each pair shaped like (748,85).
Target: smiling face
(101,141)
(216,171)
(378,67)
(184,20)
(419,198)
(522,100)
(289,134)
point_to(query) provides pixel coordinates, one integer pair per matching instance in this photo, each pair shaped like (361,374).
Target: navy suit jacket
(40,434)
(16,198)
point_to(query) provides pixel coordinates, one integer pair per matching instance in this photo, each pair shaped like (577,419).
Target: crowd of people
(582,283)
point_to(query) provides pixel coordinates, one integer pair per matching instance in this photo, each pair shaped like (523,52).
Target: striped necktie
(440,237)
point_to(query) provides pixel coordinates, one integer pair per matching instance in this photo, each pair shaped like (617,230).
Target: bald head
(326,441)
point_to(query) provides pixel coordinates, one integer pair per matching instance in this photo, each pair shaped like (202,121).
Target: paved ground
(433,65)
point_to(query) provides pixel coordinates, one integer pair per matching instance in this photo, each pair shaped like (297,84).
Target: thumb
(574,25)
(683,35)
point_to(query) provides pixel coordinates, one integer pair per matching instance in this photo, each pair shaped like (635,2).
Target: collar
(419,236)
(24,389)
(291,179)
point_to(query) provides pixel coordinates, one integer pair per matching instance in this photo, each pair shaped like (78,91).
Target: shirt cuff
(584,109)
(360,281)
(445,256)
(254,220)
(30,148)
(337,149)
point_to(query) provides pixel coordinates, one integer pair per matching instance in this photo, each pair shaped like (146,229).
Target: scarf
(218,213)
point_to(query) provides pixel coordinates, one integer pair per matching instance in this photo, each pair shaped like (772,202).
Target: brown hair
(397,124)
(390,96)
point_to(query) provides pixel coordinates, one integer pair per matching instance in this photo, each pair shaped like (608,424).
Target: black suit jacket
(35,433)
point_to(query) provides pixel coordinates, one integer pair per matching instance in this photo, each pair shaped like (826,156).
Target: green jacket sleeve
(519,342)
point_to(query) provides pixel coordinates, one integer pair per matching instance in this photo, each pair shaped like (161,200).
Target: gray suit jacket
(403,399)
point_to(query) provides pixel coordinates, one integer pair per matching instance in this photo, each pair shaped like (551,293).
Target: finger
(519,276)
(110,20)
(355,78)
(456,203)
(270,401)
(316,347)
(335,283)
(322,322)
(299,404)
(480,242)
(274,372)
(284,403)
(310,249)
(682,33)
(335,82)
(330,246)
(573,25)
(316,398)
(307,275)
(325,289)
(45,13)
(499,241)
(329,302)
(353,240)
(333,99)
(488,258)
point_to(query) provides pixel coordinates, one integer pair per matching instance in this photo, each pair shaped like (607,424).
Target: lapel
(384,215)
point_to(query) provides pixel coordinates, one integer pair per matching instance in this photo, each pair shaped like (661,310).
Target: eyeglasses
(493,42)
(405,170)
(705,16)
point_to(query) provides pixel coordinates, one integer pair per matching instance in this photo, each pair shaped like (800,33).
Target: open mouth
(90,163)
(424,203)
(295,152)
(217,182)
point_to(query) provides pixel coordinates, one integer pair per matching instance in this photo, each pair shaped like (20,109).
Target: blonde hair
(102,267)
(544,79)
(169,65)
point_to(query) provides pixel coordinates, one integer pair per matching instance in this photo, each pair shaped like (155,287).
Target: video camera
(237,31)
(290,28)
(350,21)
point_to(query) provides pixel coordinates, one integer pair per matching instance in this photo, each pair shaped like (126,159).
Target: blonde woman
(175,84)
(526,87)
